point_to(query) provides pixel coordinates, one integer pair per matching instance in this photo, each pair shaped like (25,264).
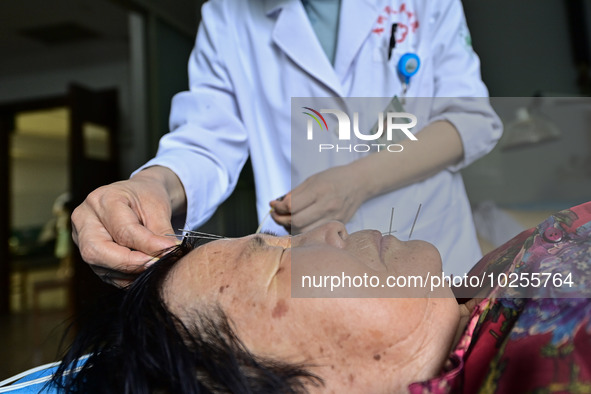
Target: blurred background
(85,89)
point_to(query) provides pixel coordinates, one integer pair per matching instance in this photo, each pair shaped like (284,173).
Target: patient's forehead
(211,269)
(190,270)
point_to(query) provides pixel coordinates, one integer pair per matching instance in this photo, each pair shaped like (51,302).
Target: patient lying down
(220,317)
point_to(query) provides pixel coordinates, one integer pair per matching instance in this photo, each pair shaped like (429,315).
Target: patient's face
(348,338)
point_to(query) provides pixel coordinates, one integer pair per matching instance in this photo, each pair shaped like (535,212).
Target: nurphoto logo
(385,131)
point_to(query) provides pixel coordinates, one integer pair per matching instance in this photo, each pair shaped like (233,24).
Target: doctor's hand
(337,193)
(122,226)
(333,194)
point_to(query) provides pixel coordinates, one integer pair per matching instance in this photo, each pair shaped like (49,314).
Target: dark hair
(137,345)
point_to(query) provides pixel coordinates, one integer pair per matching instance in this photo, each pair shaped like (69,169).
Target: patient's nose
(332,233)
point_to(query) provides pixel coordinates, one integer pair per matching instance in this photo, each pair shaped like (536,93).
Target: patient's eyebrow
(255,244)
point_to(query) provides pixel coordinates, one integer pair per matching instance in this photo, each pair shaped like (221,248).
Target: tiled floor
(28,341)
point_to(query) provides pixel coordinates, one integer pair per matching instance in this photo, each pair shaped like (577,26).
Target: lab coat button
(553,234)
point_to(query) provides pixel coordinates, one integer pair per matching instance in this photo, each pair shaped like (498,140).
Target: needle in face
(196,234)
(263,221)
(391,219)
(415,221)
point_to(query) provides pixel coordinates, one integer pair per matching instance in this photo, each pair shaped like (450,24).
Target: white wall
(550,176)
(525,48)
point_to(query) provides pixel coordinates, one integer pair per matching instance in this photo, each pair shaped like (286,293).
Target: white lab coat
(250,59)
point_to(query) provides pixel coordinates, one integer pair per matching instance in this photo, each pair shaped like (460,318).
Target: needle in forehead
(197,234)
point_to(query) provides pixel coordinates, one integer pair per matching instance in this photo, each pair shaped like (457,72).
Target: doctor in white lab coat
(250,59)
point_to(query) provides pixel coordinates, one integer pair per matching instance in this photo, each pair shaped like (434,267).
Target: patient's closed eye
(268,241)
(269,232)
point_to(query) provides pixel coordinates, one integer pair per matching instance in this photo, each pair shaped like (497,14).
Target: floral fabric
(529,339)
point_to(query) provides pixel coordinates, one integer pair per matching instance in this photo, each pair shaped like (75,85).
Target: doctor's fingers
(325,209)
(121,275)
(300,198)
(282,219)
(97,248)
(117,238)
(143,232)
(325,188)
(282,205)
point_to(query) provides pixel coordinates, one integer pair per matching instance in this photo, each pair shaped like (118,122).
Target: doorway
(39,196)
(52,151)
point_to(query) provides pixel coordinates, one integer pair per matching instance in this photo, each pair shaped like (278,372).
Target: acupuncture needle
(391,219)
(196,234)
(199,234)
(389,232)
(415,221)
(263,221)
(267,215)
